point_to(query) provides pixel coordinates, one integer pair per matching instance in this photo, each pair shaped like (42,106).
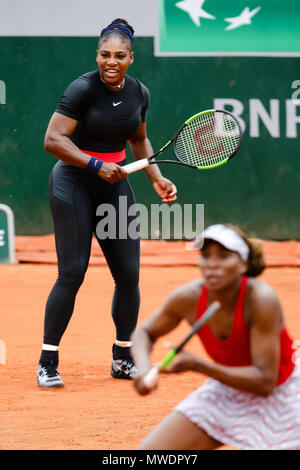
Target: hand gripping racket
(150,377)
(206,140)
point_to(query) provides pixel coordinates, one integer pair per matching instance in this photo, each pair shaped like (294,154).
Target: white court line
(2,352)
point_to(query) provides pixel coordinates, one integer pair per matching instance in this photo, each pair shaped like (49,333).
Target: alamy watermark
(296,95)
(159,221)
(2,92)
(2,352)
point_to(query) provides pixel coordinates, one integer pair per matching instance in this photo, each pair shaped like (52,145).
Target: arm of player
(179,304)
(163,321)
(141,148)
(259,378)
(57,141)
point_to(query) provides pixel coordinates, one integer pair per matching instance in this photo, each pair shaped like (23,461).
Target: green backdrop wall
(259,189)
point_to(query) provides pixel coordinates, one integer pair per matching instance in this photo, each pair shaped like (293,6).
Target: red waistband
(107,156)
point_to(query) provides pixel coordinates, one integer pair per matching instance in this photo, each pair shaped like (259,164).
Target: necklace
(113,86)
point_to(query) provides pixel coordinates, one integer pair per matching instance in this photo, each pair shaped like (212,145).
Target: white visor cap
(226,237)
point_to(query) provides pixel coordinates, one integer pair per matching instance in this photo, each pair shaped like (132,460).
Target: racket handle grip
(135,166)
(168,358)
(151,377)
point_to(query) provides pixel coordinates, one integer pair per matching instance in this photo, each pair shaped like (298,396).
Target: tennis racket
(206,140)
(150,377)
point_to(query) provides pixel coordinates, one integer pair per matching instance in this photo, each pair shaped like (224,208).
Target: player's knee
(129,278)
(72,276)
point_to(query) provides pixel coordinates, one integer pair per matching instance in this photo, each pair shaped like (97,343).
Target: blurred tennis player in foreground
(251,399)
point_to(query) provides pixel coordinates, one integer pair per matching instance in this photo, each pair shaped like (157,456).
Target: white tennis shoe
(123,369)
(48,376)
(123,366)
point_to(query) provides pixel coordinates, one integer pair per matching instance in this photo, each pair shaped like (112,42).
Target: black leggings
(75,195)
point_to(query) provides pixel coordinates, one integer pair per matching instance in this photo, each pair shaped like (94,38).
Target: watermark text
(159,221)
(2,352)
(2,92)
(296,95)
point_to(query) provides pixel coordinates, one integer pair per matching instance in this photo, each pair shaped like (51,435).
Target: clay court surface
(95,411)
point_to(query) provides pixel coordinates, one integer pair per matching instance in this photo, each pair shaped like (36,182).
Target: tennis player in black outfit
(98,114)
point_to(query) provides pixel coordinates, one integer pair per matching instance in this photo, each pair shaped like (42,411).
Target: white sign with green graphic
(231,27)
(7,235)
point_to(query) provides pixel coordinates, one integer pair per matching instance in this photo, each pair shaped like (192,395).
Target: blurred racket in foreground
(206,140)
(151,377)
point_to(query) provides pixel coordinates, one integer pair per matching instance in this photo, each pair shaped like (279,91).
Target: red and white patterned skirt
(245,420)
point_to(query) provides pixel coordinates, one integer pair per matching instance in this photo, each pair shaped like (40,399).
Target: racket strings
(208,140)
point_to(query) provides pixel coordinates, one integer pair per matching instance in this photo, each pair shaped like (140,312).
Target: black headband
(122,28)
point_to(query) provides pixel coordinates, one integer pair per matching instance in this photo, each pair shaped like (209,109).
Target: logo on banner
(195,10)
(234,27)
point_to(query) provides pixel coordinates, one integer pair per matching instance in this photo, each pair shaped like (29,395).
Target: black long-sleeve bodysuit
(106,120)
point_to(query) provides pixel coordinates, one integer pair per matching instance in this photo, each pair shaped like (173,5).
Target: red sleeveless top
(235,350)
